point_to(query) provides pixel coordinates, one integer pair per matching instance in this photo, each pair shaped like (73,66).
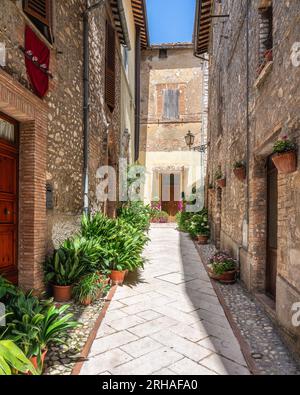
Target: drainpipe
(247,117)
(86,105)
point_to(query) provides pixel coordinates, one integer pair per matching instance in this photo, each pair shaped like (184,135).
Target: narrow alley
(169,321)
(149,188)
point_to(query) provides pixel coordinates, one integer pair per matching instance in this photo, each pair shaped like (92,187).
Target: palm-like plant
(12,359)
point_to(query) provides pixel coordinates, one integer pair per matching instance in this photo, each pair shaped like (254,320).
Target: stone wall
(163,147)
(64,102)
(272,98)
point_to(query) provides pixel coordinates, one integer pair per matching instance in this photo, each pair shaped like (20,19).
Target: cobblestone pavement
(257,329)
(61,359)
(168,320)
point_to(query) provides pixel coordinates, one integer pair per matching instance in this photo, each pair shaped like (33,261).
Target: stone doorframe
(32,115)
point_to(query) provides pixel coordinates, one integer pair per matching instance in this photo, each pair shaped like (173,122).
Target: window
(265,35)
(110,65)
(163,53)
(171,103)
(40,14)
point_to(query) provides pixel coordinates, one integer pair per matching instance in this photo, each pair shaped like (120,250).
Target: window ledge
(263,74)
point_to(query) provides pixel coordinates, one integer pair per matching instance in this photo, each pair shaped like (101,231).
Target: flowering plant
(221,263)
(284,145)
(199,225)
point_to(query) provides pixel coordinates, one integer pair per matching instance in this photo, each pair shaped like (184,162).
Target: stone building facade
(49,143)
(171,105)
(253,101)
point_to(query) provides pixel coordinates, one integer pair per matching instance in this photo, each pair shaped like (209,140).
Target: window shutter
(171,103)
(110,77)
(39,9)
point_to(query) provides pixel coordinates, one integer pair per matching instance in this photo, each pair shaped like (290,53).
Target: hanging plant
(285,155)
(239,170)
(220,179)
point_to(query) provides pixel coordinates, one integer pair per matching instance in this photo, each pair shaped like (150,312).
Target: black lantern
(189,139)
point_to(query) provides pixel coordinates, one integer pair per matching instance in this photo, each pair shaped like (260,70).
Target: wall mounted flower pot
(62,293)
(221,182)
(202,240)
(117,277)
(269,55)
(286,162)
(240,173)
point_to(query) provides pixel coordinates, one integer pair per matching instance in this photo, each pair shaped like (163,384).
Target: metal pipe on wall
(86,104)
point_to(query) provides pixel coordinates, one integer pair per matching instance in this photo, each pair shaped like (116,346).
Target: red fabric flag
(37,59)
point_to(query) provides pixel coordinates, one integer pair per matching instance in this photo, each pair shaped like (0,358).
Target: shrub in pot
(285,155)
(239,170)
(33,324)
(199,227)
(122,250)
(88,288)
(223,268)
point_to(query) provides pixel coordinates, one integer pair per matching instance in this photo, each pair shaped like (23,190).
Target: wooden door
(272,230)
(8,198)
(170,193)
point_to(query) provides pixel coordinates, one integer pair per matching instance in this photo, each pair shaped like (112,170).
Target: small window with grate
(163,53)
(40,14)
(265,35)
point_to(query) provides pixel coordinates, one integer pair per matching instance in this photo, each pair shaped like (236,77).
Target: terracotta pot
(240,173)
(87,301)
(34,360)
(117,277)
(222,182)
(225,278)
(286,162)
(62,293)
(202,240)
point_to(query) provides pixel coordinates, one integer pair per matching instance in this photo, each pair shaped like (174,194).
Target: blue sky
(170,20)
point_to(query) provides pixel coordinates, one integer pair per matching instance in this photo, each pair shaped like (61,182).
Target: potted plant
(220,179)
(33,324)
(239,170)
(62,270)
(223,268)
(199,227)
(88,288)
(122,248)
(285,155)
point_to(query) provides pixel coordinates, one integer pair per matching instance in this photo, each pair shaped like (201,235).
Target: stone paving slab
(168,321)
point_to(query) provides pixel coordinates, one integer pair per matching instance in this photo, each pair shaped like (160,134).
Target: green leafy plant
(239,164)
(123,247)
(136,214)
(218,174)
(12,359)
(284,145)
(88,287)
(183,220)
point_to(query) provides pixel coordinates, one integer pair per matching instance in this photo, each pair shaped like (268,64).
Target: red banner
(37,59)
